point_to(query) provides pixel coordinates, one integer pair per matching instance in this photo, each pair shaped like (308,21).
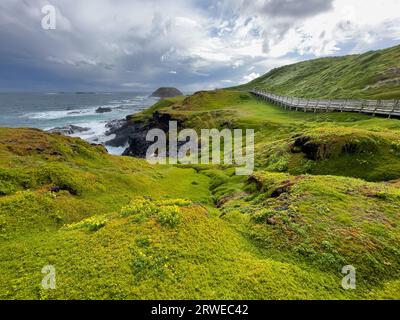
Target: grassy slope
(374,75)
(103,247)
(345,144)
(100,251)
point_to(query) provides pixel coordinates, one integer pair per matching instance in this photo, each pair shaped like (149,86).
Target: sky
(139,45)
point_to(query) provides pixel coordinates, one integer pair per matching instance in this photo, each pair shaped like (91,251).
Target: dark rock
(310,149)
(257,181)
(55,189)
(114,125)
(122,129)
(69,129)
(276,193)
(133,132)
(70,189)
(271,221)
(103,110)
(166,92)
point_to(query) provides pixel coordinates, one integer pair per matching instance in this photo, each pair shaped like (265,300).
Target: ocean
(50,110)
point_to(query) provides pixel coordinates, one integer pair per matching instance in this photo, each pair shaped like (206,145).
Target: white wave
(96,134)
(51,115)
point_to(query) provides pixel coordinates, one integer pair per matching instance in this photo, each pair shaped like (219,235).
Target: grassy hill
(372,75)
(119,228)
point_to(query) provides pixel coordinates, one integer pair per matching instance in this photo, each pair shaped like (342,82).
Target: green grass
(324,194)
(372,75)
(128,232)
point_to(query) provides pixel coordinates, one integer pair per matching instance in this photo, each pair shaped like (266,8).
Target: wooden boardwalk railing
(389,108)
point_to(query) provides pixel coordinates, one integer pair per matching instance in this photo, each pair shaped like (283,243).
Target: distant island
(166,92)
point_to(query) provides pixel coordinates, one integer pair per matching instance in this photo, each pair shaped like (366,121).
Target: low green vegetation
(133,231)
(325,193)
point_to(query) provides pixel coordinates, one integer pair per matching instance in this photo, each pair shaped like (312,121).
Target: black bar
(204,309)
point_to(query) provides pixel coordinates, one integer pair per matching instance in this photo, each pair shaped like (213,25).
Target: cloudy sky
(137,45)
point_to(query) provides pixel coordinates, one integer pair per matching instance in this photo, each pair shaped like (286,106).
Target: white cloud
(360,23)
(251,76)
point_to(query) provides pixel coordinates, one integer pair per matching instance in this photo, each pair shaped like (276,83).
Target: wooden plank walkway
(389,108)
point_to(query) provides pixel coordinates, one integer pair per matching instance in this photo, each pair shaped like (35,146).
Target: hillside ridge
(370,75)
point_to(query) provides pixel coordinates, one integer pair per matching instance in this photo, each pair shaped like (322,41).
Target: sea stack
(166,92)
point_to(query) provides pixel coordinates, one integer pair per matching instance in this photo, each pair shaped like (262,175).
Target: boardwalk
(389,108)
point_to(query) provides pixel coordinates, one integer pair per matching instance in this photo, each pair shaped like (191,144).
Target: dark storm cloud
(293,8)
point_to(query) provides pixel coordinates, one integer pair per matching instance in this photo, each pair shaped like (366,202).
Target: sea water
(49,110)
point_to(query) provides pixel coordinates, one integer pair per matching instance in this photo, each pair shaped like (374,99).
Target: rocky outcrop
(166,92)
(103,110)
(133,132)
(69,129)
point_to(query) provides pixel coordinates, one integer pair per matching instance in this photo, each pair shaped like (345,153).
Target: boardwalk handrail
(388,108)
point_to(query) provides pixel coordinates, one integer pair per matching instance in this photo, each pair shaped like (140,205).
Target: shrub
(168,215)
(138,206)
(148,263)
(174,202)
(166,212)
(91,224)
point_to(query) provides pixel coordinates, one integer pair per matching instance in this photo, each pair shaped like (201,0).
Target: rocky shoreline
(132,132)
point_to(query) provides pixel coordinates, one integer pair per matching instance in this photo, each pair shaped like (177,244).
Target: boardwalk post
(306,106)
(328,106)
(363,103)
(395,106)
(343,104)
(316,106)
(378,104)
